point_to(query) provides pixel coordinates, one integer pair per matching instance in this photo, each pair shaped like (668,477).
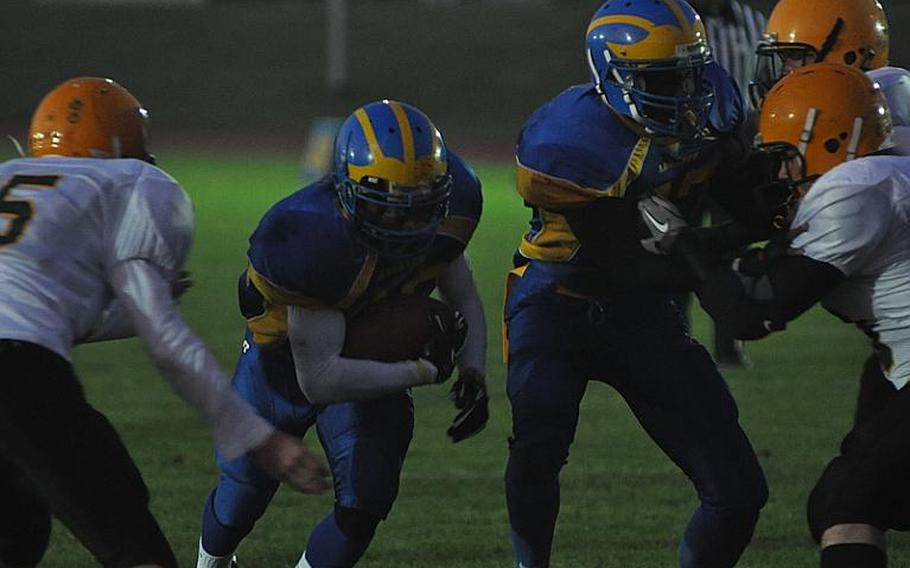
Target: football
(394,329)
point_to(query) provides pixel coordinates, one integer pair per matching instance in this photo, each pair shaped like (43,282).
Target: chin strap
(16,145)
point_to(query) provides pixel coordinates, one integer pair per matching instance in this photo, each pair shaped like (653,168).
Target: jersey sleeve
(156,224)
(466,203)
(301,258)
(728,108)
(573,151)
(843,225)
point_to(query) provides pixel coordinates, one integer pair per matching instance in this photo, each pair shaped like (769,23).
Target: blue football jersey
(575,149)
(304,253)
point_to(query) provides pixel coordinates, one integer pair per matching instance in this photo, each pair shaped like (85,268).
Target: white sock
(303,563)
(206,560)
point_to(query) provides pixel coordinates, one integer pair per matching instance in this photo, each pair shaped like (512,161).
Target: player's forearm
(724,296)
(316,337)
(456,284)
(184,360)
(340,379)
(751,307)
(608,232)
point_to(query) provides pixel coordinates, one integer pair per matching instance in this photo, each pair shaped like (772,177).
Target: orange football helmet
(830,113)
(90,117)
(799,32)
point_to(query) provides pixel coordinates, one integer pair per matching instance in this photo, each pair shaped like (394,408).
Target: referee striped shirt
(733,37)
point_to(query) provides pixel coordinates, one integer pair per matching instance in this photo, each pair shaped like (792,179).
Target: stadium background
(234,88)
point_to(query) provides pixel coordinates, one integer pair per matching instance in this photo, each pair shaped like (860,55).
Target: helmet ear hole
(832,145)
(850,57)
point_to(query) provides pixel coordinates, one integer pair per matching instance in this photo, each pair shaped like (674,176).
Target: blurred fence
(256,69)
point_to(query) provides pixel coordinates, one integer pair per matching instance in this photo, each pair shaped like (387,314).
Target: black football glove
(663,222)
(469,393)
(449,333)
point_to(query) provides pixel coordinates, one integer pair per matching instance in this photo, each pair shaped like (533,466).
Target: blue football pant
(641,347)
(365,444)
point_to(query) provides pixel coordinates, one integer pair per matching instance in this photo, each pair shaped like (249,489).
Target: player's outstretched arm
(748,304)
(317,337)
(196,376)
(115,321)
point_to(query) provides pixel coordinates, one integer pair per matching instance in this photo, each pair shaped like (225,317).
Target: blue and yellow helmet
(391,177)
(647,58)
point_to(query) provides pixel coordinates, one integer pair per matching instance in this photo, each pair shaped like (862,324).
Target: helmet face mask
(395,221)
(648,60)
(670,100)
(391,178)
(788,182)
(773,62)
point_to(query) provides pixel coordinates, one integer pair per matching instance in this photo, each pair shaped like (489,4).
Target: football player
(799,33)
(93,238)
(847,245)
(657,119)
(393,218)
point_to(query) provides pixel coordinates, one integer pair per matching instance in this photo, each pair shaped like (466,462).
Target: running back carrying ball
(407,327)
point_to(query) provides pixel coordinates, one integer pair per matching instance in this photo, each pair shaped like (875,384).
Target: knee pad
(356,524)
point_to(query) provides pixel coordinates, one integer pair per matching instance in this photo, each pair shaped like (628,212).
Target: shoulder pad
(728,110)
(466,203)
(576,137)
(302,248)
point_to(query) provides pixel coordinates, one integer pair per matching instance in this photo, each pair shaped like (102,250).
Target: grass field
(624,504)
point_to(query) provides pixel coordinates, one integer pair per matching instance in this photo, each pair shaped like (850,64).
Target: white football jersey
(857,218)
(64,222)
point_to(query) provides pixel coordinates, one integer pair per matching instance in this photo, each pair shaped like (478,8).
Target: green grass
(624,503)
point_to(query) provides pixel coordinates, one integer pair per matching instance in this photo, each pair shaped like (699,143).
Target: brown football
(394,329)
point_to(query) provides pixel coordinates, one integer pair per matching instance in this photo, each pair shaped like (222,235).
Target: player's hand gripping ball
(407,327)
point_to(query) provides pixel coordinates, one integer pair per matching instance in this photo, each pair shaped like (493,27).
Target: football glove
(663,221)
(449,333)
(469,393)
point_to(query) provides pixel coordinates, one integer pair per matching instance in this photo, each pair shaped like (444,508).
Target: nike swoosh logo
(661,227)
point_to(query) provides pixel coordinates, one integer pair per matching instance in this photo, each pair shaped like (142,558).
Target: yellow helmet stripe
(634,20)
(674,7)
(370,134)
(407,137)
